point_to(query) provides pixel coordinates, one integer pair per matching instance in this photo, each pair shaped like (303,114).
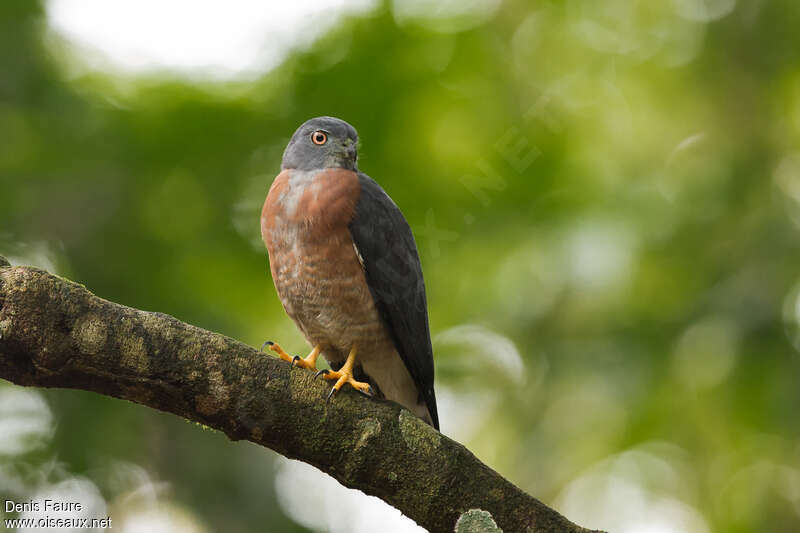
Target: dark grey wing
(394,276)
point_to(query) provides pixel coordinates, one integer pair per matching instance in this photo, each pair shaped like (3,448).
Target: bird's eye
(319,137)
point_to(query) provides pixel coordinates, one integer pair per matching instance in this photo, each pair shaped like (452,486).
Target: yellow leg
(309,362)
(345,375)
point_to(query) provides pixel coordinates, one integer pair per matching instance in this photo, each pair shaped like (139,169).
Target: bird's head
(322,142)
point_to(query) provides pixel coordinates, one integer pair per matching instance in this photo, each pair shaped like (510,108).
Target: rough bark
(55,333)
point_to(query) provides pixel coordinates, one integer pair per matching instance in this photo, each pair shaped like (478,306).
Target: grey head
(322,142)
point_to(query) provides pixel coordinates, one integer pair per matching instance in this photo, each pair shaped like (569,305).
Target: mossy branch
(55,333)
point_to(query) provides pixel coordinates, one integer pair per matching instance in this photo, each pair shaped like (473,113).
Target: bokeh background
(605,195)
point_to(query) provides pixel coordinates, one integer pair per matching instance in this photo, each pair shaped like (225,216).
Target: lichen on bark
(476,521)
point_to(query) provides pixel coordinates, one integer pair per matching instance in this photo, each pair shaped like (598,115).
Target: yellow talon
(309,362)
(275,347)
(345,375)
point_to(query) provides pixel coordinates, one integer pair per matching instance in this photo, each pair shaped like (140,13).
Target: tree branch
(55,333)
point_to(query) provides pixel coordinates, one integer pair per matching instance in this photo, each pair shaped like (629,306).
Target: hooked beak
(350,149)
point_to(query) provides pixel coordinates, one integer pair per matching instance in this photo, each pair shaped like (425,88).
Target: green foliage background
(612,187)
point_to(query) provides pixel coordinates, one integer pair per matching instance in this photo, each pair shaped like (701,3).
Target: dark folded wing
(386,245)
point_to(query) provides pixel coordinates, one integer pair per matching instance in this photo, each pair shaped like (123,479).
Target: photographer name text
(53,522)
(37,506)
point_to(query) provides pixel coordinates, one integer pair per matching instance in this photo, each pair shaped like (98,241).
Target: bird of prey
(346,269)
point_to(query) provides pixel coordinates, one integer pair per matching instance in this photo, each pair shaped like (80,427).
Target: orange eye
(319,137)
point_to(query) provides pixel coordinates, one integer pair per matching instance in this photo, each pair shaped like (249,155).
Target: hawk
(346,268)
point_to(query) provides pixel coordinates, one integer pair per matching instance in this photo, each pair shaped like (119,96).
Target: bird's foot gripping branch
(55,333)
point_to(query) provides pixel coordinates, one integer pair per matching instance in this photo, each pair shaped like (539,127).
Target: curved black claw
(295,359)
(369,393)
(321,373)
(266,343)
(331,394)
